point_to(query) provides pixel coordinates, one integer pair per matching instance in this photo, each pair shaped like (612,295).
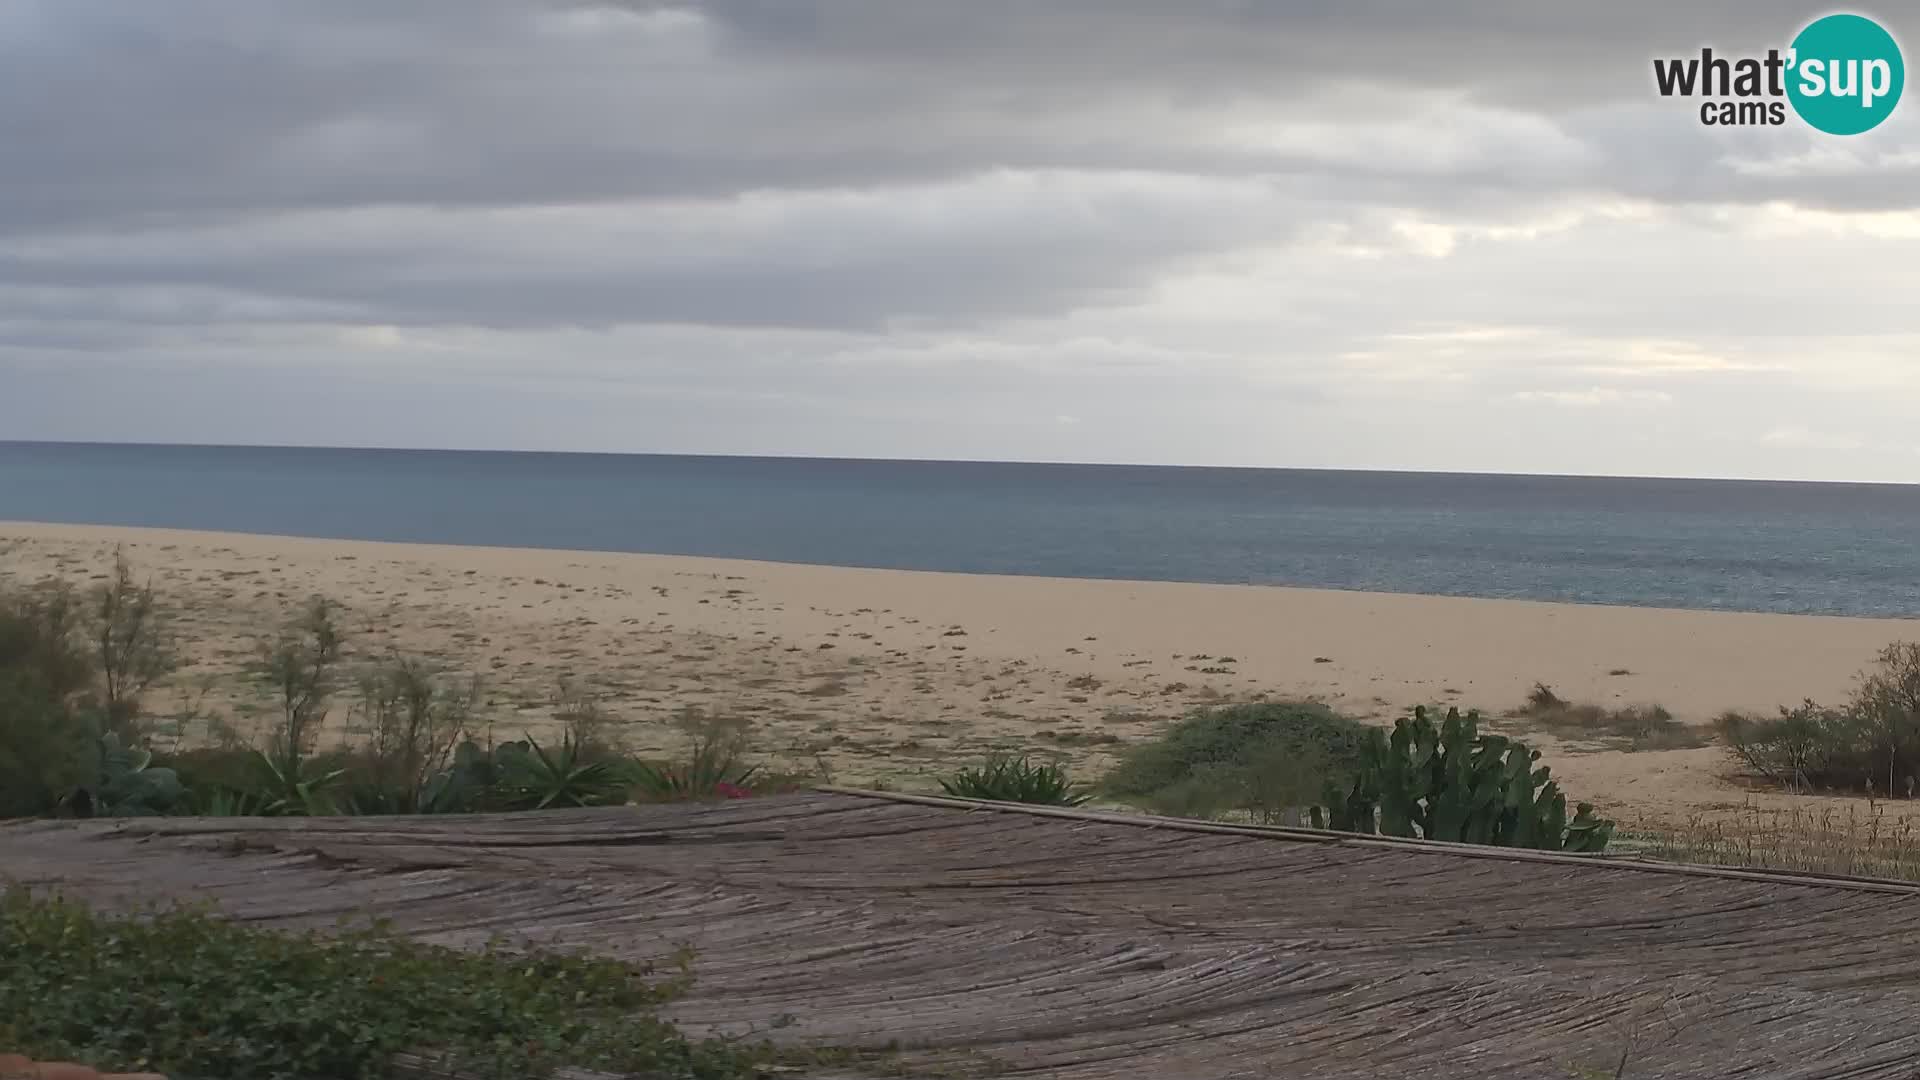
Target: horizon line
(954,461)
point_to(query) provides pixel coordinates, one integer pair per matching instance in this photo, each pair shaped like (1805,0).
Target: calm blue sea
(1850,549)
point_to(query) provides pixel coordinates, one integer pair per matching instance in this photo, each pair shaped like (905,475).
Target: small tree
(1887,707)
(1793,750)
(47,744)
(415,721)
(130,643)
(300,664)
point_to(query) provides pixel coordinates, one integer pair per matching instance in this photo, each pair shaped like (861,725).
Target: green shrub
(1886,713)
(45,750)
(209,773)
(1871,744)
(1450,782)
(188,994)
(48,728)
(1267,760)
(1795,749)
(1006,778)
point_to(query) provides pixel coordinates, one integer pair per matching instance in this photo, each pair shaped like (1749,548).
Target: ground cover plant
(184,993)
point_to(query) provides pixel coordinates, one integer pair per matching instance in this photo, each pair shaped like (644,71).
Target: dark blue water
(1849,549)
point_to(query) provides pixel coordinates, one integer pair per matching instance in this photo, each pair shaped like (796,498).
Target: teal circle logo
(1845,74)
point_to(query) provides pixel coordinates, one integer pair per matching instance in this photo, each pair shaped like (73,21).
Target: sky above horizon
(1350,234)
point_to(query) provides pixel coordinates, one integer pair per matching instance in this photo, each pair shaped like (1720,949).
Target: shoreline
(894,675)
(134,533)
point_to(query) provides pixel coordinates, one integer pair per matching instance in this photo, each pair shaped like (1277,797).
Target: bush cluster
(73,739)
(1870,744)
(1266,761)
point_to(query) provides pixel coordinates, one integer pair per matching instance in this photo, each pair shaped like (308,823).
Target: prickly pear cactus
(1447,781)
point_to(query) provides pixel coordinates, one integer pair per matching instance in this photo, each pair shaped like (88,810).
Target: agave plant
(1005,778)
(293,788)
(701,776)
(535,778)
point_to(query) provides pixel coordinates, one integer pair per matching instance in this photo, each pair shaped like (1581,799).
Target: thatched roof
(1092,946)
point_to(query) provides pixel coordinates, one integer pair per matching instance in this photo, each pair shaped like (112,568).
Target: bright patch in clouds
(1596,395)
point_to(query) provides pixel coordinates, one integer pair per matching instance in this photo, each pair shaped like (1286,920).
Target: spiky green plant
(714,767)
(1450,782)
(534,777)
(292,785)
(1009,778)
(704,774)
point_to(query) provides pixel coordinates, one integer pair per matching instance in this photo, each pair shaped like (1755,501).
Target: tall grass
(1631,727)
(1856,840)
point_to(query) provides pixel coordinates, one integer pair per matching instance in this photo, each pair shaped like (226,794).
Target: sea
(1839,549)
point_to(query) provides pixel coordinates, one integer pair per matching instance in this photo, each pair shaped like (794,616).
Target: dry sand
(894,676)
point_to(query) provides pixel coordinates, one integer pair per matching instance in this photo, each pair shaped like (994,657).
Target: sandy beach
(893,676)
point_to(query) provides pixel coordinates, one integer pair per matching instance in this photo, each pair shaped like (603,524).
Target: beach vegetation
(715,766)
(47,743)
(1869,838)
(1450,781)
(1016,778)
(412,721)
(187,994)
(72,666)
(1869,744)
(124,782)
(1631,727)
(132,644)
(1265,761)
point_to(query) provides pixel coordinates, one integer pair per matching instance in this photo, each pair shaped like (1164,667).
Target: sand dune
(892,675)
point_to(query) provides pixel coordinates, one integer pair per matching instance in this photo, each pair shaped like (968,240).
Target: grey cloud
(1008,248)
(220,106)
(910,225)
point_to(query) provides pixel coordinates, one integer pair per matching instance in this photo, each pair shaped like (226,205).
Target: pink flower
(730,791)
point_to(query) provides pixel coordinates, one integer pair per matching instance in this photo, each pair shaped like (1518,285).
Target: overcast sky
(1462,236)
